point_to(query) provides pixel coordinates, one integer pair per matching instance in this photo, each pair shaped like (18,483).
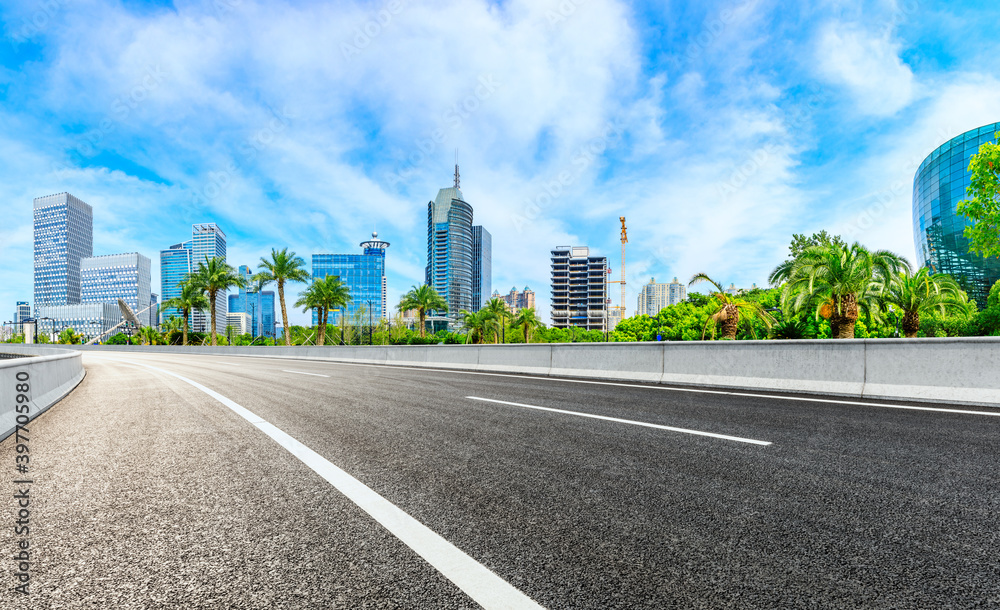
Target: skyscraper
(105,279)
(364,276)
(259,306)
(482,267)
(579,288)
(653,297)
(64,235)
(175,265)
(458,268)
(208,241)
(176,262)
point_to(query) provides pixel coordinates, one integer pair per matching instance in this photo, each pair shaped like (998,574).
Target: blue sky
(717,128)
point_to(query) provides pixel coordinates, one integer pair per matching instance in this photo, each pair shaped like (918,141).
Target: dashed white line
(304,373)
(475,579)
(626,421)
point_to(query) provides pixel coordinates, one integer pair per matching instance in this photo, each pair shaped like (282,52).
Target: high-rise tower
(449,250)
(64,235)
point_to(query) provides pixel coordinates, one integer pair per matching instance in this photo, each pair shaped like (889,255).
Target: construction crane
(621,306)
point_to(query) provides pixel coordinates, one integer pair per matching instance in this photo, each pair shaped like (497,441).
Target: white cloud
(868,64)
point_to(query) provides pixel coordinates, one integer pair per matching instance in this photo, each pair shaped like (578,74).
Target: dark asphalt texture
(153,495)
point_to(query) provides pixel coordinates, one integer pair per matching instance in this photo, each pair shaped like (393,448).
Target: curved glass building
(939,185)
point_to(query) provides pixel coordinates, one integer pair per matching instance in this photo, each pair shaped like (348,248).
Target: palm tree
(190,298)
(423,298)
(528,321)
(323,295)
(213,276)
(148,335)
(839,281)
(476,323)
(923,292)
(499,312)
(283,267)
(728,309)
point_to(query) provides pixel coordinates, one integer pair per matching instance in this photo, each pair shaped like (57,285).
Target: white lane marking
(670,388)
(302,373)
(664,388)
(626,421)
(475,579)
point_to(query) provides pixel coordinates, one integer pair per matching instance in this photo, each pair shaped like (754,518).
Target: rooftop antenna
(458,180)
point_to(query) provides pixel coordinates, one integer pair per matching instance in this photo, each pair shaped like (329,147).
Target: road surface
(225,482)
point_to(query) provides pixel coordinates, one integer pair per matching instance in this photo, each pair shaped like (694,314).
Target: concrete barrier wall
(51,375)
(964,370)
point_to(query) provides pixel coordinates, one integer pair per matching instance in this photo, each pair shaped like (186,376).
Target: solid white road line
(475,579)
(626,421)
(302,373)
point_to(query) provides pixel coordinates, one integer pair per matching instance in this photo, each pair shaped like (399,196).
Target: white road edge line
(301,373)
(475,579)
(627,421)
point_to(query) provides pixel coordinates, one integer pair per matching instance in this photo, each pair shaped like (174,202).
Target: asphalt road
(151,493)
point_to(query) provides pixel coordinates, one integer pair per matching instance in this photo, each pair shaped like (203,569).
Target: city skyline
(692,120)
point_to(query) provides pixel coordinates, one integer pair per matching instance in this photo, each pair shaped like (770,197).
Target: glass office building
(259,306)
(482,267)
(208,241)
(105,279)
(88,319)
(940,183)
(364,276)
(63,236)
(175,265)
(177,261)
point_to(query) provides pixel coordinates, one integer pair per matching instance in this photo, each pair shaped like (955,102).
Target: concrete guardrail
(42,378)
(948,370)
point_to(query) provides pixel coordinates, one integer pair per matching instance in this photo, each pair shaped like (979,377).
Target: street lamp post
(371,338)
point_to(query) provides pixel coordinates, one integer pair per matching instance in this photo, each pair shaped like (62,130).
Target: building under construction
(579,289)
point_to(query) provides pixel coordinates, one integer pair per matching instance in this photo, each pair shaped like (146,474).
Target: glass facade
(482,267)
(208,241)
(449,250)
(259,306)
(364,276)
(175,265)
(105,279)
(940,183)
(22,311)
(63,236)
(88,319)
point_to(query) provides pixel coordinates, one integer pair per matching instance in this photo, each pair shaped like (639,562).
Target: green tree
(323,295)
(476,324)
(527,320)
(727,309)
(213,276)
(801,242)
(190,299)
(499,313)
(148,335)
(838,283)
(983,205)
(283,267)
(916,294)
(423,298)
(70,337)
